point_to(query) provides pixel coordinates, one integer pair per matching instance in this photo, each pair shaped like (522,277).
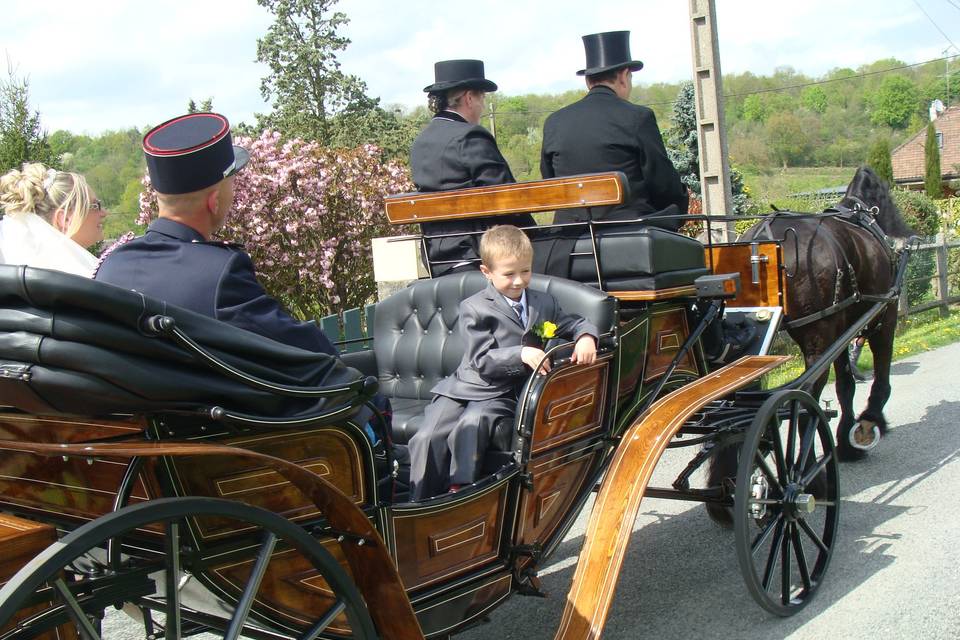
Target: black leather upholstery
(638,258)
(73,345)
(417,339)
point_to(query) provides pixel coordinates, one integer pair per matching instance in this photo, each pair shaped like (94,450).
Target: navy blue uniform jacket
(172,262)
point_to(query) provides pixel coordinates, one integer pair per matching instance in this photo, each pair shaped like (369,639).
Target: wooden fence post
(943,286)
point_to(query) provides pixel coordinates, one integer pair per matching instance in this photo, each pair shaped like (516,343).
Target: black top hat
(191,153)
(451,74)
(608,51)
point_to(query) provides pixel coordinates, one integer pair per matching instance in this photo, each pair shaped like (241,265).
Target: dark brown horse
(838,264)
(835,265)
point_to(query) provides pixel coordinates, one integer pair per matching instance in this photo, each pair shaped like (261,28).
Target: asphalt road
(894,571)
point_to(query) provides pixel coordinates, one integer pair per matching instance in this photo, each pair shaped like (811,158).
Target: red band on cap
(149,148)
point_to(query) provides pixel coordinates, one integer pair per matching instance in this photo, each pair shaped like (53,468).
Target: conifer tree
(879,160)
(22,139)
(931,155)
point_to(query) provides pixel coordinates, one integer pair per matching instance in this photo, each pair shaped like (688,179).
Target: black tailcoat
(603,132)
(450,154)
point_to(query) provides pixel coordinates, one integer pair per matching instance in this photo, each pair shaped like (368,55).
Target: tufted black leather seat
(417,340)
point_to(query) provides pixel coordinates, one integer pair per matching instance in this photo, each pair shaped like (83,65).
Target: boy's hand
(532,356)
(585,351)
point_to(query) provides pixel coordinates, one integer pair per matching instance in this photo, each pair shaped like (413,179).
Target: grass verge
(915,334)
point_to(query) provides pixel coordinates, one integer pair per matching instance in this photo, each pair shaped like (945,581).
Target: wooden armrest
(590,190)
(653,295)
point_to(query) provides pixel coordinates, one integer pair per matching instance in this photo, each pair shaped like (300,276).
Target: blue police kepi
(191,161)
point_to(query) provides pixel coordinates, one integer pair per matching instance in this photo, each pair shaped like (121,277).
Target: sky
(95,65)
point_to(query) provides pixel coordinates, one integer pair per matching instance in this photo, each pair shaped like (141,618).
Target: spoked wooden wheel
(69,584)
(786,504)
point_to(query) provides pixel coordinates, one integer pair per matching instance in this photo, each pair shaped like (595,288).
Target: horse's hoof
(864,436)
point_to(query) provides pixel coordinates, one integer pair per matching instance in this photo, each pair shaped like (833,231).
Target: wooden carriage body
(455,556)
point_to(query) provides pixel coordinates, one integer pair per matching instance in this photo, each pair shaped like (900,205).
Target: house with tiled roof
(908,161)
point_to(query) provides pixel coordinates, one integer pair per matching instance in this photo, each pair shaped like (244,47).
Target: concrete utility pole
(711,130)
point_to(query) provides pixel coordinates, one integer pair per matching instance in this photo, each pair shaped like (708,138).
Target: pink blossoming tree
(306,214)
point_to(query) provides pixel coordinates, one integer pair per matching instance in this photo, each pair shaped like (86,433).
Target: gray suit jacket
(491,364)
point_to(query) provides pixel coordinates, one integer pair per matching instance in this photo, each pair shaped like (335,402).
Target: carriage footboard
(618,501)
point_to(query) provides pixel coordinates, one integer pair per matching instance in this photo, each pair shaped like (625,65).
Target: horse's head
(867,188)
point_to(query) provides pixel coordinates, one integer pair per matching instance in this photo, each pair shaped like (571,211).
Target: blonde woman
(50,218)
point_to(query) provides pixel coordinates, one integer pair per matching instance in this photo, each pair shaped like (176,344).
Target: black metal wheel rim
(786,505)
(47,574)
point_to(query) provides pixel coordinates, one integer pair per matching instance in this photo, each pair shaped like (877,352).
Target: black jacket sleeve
(478,151)
(660,176)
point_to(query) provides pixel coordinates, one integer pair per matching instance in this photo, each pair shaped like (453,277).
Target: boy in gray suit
(503,327)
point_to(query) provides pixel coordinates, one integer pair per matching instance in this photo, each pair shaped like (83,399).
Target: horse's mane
(867,187)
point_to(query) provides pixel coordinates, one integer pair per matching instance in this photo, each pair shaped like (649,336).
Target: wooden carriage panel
(633,356)
(433,543)
(735,258)
(329,452)
(558,478)
(75,489)
(292,590)
(464,605)
(594,190)
(21,540)
(571,405)
(668,332)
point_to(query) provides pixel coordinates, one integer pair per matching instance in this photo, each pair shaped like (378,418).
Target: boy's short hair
(504,241)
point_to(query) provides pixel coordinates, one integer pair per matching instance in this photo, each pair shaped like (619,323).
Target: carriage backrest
(591,190)
(73,345)
(417,338)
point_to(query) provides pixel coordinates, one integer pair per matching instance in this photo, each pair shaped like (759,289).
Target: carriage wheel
(786,503)
(62,576)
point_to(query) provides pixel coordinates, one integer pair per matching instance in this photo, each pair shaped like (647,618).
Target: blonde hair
(504,241)
(38,189)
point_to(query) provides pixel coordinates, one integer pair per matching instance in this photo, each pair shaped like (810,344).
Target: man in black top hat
(192,161)
(455,152)
(605,132)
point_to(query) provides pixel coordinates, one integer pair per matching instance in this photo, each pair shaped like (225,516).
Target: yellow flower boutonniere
(545,330)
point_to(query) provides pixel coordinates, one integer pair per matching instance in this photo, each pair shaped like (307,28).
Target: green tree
(814,98)
(787,138)
(682,144)
(22,138)
(305,84)
(205,107)
(932,181)
(894,102)
(754,109)
(879,159)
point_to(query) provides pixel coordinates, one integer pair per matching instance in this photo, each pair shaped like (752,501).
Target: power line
(856,76)
(919,6)
(954,4)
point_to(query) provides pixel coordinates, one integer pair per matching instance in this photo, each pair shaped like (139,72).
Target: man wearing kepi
(605,132)
(192,162)
(455,152)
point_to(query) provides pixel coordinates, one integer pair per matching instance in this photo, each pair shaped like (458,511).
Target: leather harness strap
(860,217)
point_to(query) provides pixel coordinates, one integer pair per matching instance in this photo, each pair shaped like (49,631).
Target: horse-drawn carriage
(204,479)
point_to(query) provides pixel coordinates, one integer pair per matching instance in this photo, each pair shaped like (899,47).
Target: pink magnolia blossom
(306,214)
